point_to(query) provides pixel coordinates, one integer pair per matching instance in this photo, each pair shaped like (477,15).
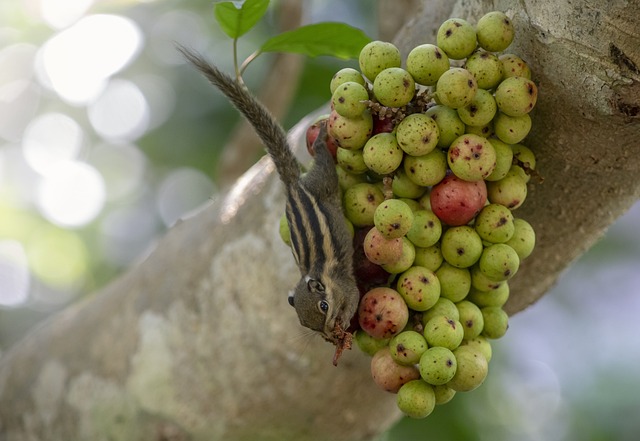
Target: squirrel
(326,297)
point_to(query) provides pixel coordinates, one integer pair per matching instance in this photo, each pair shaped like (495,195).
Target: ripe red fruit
(388,374)
(368,274)
(312,134)
(382,312)
(384,125)
(456,201)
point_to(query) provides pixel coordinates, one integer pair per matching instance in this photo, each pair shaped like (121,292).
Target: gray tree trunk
(198,342)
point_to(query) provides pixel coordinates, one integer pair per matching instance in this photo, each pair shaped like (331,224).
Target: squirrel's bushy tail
(268,129)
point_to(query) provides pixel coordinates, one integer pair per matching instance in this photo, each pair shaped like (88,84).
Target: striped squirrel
(326,297)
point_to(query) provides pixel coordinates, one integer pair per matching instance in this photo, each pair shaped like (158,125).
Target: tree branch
(198,342)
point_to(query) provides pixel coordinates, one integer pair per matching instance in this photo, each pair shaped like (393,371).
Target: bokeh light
(59,14)
(77,61)
(72,194)
(120,112)
(19,96)
(122,166)
(18,180)
(45,247)
(14,273)
(160,96)
(50,139)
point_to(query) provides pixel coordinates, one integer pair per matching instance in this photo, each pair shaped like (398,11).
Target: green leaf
(334,39)
(236,18)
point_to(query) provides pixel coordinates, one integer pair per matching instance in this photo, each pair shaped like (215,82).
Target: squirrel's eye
(323,305)
(315,285)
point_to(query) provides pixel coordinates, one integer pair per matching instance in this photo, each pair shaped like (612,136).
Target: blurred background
(107,138)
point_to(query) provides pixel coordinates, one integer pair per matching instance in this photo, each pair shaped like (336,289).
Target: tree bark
(197,342)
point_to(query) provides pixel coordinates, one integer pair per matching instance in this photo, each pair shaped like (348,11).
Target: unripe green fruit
(499,262)
(393,218)
(480,111)
(426,63)
(485,131)
(389,375)
(368,344)
(351,161)
(510,191)
(437,365)
(283,229)
(417,134)
(443,307)
(380,250)
(360,203)
(450,126)
(403,187)
(382,154)
(461,246)
(471,157)
(493,297)
(486,68)
(419,287)
(394,87)
(406,258)
(430,257)
(377,56)
(350,133)
(471,319)
(496,322)
(524,157)
(350,99)
(454,282)
(456,88)
(407,347)
(382,313)
(495,224)
(481,344)
(457,38)
(481,282)
(345,75)
(514,66)
(413,204)
(416,399)
(516,96)
(443,393)
(495,31)
(443,331)
(347,179)
(504,159)
(350,228)
(425,230)
(426,170)
(524,238)
(511,129)
(472,369)
(425,201)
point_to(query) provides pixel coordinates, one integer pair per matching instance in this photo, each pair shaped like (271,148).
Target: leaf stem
(235,61)
(249,59)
